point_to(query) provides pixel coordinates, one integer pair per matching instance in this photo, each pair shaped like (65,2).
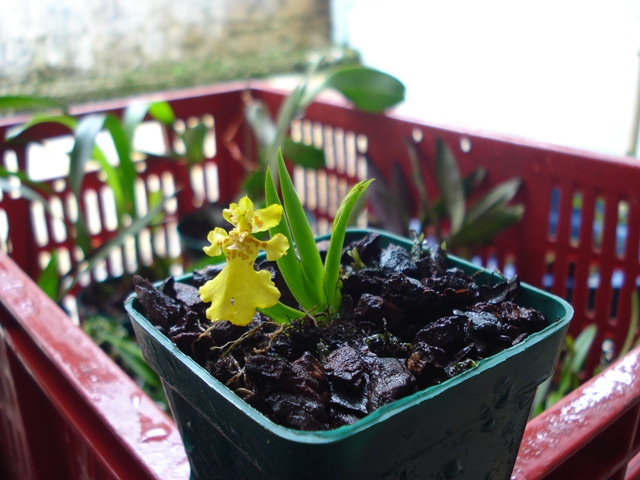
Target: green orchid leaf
(450,185)
(126,170)
(368,89)
(303,155)
(470,183)
(484,228)
(162,112)
(581,346)
(331,273)
(498,196)
(303,238)
(26,190)
(132,117)
(49,280)
(102,252)
(288,264)
(259,119)
(281,313)
(28,102)
(633,325)
(193,139)
(85,139)
(18,132)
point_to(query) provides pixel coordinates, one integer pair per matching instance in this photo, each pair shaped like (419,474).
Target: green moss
(72,87)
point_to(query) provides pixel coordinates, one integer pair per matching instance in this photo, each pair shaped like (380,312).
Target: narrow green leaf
(416,177)
(368,89)
(26,191)
(331,273)
(582,346)
(487,226)
(18,132)
(303,238)
(132,117)
(303,155)
(288,264)
(49,280)
(102,252)
(85,138)
(633,325)
(259,119)
(126,171)
(450,185)
(162,112)
(499,195)
(28,102)
(193,139)
(281,313)
(470,182)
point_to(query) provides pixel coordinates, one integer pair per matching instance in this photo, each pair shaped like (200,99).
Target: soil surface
(408,321)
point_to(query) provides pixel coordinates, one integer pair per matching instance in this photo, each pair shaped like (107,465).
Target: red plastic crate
(579,238)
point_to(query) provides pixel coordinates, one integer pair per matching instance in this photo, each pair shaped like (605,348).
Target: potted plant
(412,415)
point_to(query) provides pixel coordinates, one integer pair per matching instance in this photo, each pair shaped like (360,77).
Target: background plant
(451,217)
(367,89)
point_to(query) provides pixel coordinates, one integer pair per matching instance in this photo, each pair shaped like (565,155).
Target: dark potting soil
(407,322)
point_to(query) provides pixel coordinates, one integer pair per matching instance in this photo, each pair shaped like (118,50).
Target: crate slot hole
(39,224)
(109,213)
(570,281)
(58,230)
(92,213)
(329,147)
(617,281)
(351,157)
(593,282)
(598,222)
(49,159)
(576,218)
(212,182)
(149,138)
(622,227)
(554,212)
(548,277)
(4,231)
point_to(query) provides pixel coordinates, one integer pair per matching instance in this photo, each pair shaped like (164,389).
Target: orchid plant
(238,290)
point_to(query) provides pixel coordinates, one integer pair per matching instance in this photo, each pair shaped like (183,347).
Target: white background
(563,72)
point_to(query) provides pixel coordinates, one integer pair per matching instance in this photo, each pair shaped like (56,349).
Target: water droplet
(504,399)
(156,433)
(135,400)
(452,469)
(501,385)
(488,426)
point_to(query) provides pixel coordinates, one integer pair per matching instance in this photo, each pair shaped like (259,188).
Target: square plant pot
(468,427)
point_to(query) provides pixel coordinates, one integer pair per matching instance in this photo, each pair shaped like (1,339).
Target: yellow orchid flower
(238,290)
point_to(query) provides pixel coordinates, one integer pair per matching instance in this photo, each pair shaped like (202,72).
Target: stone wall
(45,40)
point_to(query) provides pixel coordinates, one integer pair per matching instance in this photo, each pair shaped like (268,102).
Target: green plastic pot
(468,427)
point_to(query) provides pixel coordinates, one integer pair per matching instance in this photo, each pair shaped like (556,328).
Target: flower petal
(266,218)
(218,236)
(237,292)
(276,247)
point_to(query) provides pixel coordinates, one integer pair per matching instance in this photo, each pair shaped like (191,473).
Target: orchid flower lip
(238,290)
